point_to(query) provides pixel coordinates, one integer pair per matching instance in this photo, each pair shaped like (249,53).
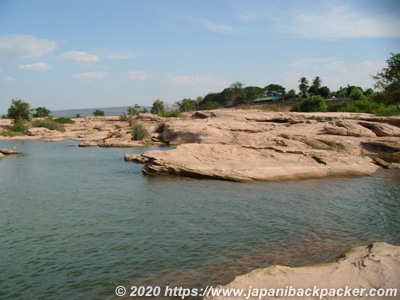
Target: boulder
(88,144)
(381,129)
(348,128)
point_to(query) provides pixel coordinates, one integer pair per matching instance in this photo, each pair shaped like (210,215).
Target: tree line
(385,99)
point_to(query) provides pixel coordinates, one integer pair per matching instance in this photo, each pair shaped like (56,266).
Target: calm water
(77,222)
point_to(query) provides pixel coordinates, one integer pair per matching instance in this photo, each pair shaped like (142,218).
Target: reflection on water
(85,221)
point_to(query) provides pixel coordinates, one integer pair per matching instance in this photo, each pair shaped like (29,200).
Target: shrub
(337,107)
(19,127)
(313,104)
(139,132)
(171,114)
(98,112)
(49,124)
(64,120)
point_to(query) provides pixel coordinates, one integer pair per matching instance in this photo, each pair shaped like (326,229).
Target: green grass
(49,124)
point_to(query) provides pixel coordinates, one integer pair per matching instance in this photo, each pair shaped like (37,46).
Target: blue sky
(100,53)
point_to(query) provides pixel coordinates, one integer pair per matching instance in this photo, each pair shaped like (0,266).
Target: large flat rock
(376,266)
(239,163)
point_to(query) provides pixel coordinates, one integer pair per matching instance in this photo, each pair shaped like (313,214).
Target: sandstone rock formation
(257,145)
(376,266)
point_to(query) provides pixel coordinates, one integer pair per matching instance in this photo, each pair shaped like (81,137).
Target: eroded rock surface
(258,145)
(376,266)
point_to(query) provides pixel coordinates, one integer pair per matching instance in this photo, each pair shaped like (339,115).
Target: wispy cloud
(213,26)
(334,73)
(184,79)
(36,67)
(80,56)
(324,20)
(138,75)
(109,54)
(342,22)
(16,46)
(308,63)
(9,78)
(89,77)
(194,80)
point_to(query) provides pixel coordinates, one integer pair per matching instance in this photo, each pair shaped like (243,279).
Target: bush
(337,107)
(64,120)
(172,114)
(139,132)
(49,124)
(19,127)
(364,106)
(98,113)
(313,104)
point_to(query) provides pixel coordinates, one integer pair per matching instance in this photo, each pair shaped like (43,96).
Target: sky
(69,54)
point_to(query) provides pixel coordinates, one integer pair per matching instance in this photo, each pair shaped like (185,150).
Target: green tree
(41,112)
(19,111)
(237,93)
(98,113)
(324,92)
(357,94)
(312,104)
(303,86)
(186,105)
(388,81)
(317,83)
(291,94)
(158,107)
(275,90)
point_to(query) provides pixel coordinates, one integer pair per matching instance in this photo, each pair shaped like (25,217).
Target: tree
(236,92)
(291,94)
(317,83)
(98,113)
(312,104)
(158,107)
(186,105)
(19,111)
(388,80)
(41,112)
(275,90)
(303,86)
(324,92)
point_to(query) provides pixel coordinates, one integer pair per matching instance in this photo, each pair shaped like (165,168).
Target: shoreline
(245,145)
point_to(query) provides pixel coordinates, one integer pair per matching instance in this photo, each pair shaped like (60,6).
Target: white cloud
(36,67)
(337,66)
(308,63)
(89,77)
(212,26)
(109,54)
(341,22)
(9,78)
(187,80)
(1,69)
(80,56)
(16,46)
(334,73)
(138,75)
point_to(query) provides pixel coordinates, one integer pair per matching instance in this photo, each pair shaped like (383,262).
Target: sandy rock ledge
(375,266)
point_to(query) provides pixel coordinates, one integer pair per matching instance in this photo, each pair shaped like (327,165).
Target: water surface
(77,222)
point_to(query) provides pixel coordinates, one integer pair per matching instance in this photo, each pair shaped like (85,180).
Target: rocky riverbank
(356,273)
(243,145)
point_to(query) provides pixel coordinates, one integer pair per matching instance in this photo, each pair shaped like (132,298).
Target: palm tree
(317,83)
(303,86)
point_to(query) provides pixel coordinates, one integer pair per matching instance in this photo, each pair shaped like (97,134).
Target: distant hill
(85,112)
